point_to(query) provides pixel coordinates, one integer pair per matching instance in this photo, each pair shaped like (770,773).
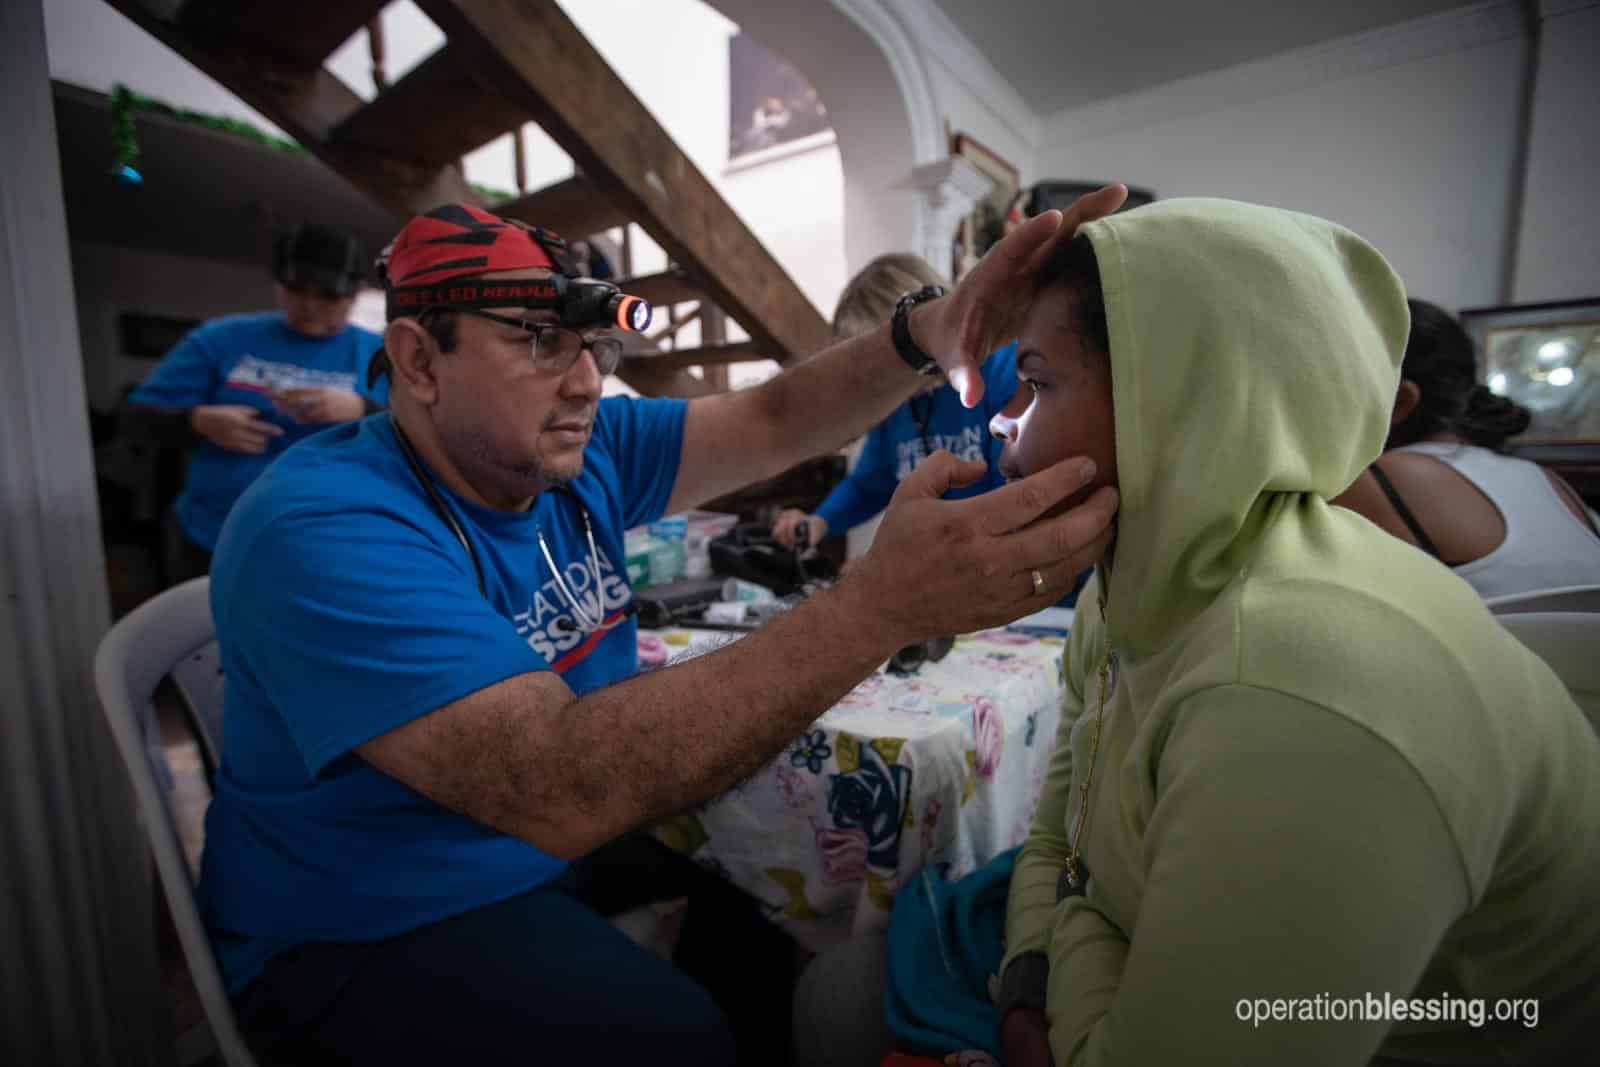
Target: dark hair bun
(1490,419)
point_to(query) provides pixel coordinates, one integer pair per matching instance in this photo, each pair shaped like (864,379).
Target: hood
(1255,355)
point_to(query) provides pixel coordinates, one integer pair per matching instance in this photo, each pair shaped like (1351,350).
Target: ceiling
(1066,53)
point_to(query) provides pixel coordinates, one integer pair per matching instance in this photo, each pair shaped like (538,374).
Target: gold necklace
(1088,776)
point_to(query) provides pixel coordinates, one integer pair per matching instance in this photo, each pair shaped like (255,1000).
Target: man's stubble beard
(529,475)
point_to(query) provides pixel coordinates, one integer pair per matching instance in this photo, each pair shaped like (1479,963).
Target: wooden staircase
(506,63)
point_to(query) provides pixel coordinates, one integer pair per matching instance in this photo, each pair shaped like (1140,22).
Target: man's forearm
(834,398)
(639,751)
(814,408)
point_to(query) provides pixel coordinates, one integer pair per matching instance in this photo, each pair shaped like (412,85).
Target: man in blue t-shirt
(432,704)
(243,388)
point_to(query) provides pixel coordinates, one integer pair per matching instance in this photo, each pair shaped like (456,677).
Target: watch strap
(900,330)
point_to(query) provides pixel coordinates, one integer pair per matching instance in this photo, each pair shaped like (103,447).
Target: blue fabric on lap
(945,940)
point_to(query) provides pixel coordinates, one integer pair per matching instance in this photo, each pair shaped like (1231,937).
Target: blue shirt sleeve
(867,489)
(644,438)
(186,376)
(354,623)
(999,381)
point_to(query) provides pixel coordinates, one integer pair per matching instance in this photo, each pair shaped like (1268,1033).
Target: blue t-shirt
(915,430)
(345,608)
(244,359)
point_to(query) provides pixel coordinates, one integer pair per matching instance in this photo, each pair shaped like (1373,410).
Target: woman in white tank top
(1505,525)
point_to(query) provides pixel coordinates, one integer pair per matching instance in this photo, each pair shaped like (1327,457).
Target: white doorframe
(79,981)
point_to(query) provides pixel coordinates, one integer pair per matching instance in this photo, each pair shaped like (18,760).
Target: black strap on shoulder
(1423,540)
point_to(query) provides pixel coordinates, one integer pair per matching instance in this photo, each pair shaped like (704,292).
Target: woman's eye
(1030,384)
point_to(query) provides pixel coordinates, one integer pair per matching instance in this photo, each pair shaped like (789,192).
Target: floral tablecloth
(942,766)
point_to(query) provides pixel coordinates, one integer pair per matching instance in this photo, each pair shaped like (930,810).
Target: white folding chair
(141,649)
(1570,643)
(198,678)
(1565,599)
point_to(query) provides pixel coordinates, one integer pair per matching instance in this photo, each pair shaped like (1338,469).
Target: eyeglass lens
(556,348)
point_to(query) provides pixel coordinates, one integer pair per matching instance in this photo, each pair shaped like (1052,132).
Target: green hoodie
(1324,770)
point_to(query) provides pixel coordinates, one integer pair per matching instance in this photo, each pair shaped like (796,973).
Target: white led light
(1554,351)
(1561,376)
(1497,384)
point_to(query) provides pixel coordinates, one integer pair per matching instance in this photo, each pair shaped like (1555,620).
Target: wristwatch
(900,330)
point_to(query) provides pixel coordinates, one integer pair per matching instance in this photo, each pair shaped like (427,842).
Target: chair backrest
(1570,643)
(1567,598)
(133,657)
(198,677)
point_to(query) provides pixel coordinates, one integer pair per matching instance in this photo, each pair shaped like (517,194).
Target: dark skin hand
(1025,1038)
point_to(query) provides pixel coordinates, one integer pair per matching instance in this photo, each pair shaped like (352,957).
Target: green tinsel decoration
(124,138)
(490,193)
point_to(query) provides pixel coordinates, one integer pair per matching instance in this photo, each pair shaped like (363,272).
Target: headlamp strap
(477,293)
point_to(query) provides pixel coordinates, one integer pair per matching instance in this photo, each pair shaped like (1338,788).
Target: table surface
(941,767)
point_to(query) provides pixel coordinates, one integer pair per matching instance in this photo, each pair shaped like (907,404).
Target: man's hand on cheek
(947,567)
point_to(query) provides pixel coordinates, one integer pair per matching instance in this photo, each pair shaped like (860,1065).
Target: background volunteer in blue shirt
(432,703)
(933,418)
(241,389)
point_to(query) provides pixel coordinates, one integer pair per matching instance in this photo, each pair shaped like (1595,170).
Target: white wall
(109,280)
(1559,251)
(1416,155)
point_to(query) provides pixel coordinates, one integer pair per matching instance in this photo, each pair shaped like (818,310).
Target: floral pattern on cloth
(989,737)
(811,751)
(870,796)
(939,767)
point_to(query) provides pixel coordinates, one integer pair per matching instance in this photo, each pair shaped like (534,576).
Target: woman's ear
(1406,399)
(411,352)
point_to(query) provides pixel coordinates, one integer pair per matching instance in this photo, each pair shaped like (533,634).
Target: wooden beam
(308,106)
(431,117)
(376,52)
(674,325)
(573,208)
(704,356)
(300,33)
(715,332)
(664,289)
(534,55)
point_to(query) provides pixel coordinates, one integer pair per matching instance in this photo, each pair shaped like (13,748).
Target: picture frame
(772,108)
(987,222)
(1546,357)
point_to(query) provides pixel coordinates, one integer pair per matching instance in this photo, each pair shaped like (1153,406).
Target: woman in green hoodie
(1309,803)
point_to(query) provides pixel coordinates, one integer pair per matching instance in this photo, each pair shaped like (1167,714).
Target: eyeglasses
(555,348)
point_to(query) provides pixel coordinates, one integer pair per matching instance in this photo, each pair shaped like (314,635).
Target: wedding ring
(1038,582)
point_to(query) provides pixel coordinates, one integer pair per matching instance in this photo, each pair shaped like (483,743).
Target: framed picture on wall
(1060,195)
(987,223)
(770,103)
(1546,357)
